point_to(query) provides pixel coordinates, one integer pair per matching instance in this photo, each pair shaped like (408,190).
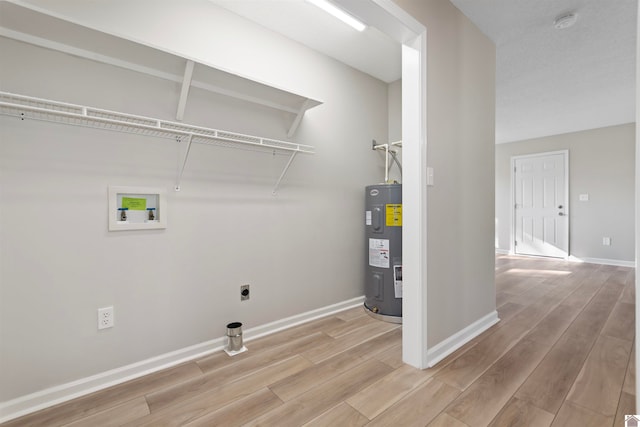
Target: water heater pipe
(395,159)
(385,147)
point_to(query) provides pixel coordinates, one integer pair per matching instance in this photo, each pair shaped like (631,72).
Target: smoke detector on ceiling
(565,21)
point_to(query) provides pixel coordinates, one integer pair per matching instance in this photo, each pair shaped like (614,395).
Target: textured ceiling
(551,81)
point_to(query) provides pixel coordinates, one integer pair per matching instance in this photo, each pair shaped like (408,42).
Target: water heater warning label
(394,215)
(379,253)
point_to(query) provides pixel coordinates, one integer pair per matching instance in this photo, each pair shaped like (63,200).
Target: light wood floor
(561,356)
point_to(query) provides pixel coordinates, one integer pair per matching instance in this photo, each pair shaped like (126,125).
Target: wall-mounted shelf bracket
(184,93)
(284,171)
(308,103)
(184,161)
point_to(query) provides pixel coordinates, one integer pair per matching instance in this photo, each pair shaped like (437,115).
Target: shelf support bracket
(296,122)
(284,171)
(184,162)
(184,93)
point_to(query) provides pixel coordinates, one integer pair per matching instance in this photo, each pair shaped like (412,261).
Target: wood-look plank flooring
(562,355)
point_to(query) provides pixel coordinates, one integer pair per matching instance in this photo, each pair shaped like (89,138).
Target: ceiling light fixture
(339,13)
(565,21)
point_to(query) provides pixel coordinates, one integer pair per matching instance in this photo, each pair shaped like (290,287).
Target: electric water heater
(383,219)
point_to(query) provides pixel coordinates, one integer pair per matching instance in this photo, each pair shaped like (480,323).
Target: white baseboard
(457,340)
(604,261)
(572,258)
(279,325)
(54,395)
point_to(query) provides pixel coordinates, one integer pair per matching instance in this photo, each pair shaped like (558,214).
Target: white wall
(601,164)
(460,148)
(173,288)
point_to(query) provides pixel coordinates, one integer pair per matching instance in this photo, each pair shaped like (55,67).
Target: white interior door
(541,220)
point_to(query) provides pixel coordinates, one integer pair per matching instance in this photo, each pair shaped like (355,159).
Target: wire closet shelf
(27,107)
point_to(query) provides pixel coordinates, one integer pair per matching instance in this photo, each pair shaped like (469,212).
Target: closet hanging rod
(26,107)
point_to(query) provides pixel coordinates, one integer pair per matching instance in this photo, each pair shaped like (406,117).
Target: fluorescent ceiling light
(338,13)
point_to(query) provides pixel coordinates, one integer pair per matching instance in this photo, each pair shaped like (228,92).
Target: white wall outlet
(105,317)
(583,197)
(606,241)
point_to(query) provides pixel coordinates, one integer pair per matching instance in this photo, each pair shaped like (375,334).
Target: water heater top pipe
(385,147)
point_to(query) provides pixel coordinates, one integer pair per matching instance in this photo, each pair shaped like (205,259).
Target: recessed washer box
(137,208)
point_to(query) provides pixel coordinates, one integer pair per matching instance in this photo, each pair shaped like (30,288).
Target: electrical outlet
(244,292)
(606,241)
(105,317)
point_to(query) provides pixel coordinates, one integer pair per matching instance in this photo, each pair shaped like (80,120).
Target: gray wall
(395,110)
(394,101)
(460,148)
(173,288)
(601,164)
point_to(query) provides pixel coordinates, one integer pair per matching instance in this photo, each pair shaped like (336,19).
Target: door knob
(561,213)
(560,207)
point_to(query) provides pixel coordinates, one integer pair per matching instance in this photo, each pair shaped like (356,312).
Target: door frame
(412,35)
(512,239)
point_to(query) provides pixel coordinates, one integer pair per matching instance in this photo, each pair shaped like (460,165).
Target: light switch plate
(584,197)
(430,176)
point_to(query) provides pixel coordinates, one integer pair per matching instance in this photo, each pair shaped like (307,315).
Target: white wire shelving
(27,107)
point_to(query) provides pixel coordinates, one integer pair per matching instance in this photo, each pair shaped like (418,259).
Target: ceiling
(548,81)
(551,81)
